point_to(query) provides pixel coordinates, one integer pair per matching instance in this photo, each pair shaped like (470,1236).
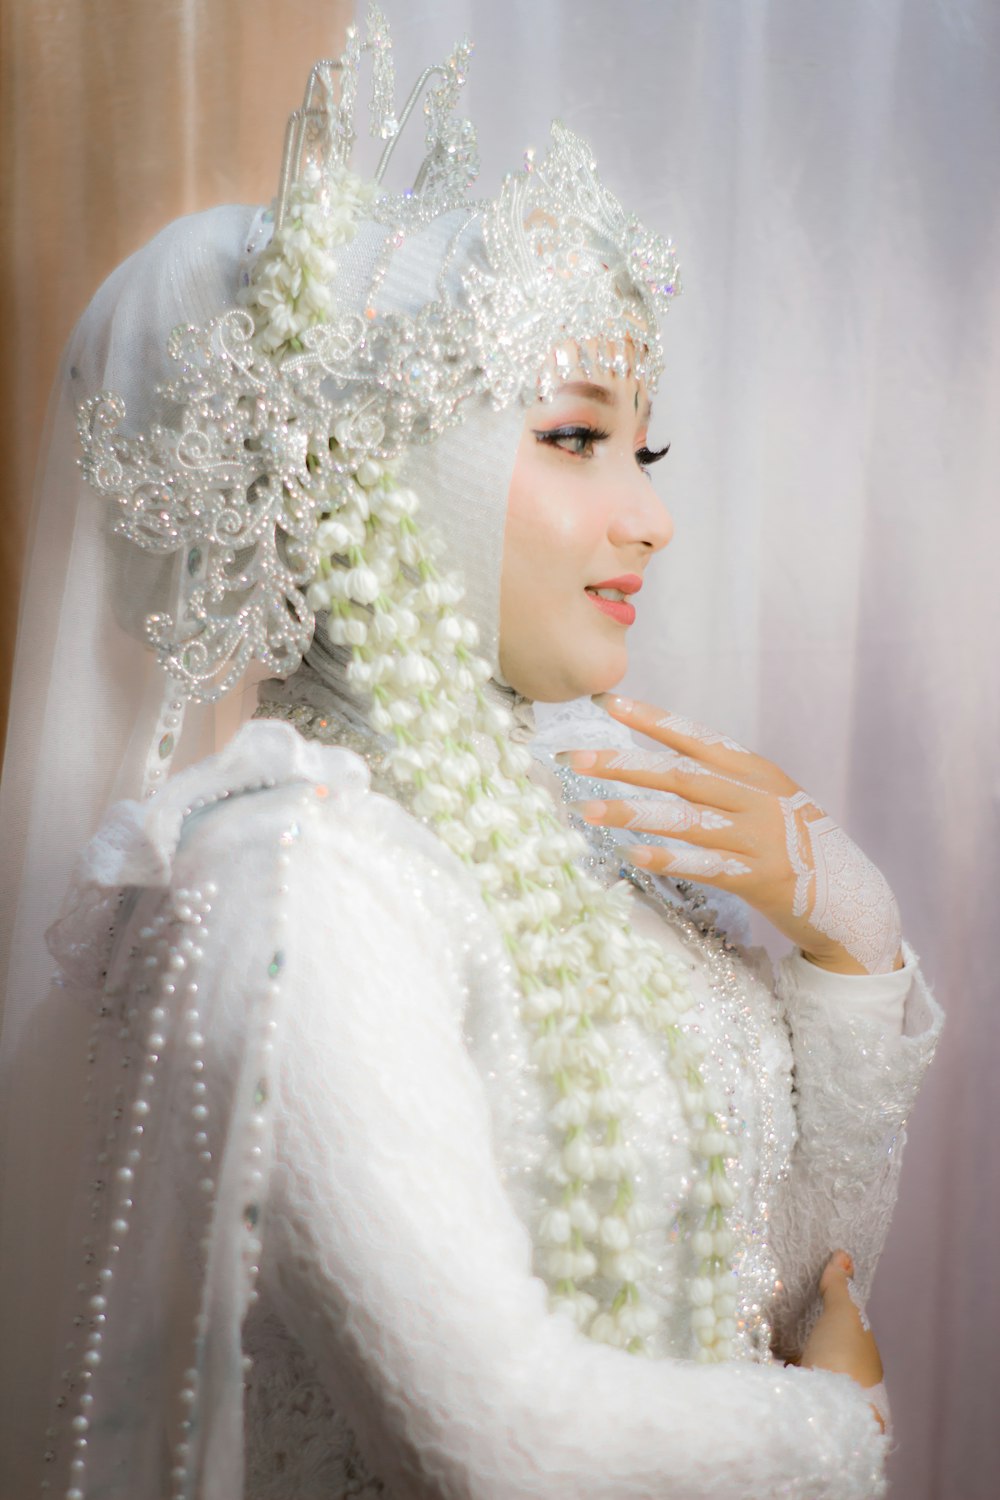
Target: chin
(602,670)
(573,669)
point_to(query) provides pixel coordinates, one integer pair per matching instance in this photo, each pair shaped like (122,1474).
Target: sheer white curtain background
(832,176)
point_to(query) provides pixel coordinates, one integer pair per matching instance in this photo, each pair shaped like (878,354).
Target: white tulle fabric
(401,1344)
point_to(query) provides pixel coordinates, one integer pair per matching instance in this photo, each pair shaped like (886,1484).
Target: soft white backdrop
(831,172)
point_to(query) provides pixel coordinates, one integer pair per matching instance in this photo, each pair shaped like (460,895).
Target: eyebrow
(598,393)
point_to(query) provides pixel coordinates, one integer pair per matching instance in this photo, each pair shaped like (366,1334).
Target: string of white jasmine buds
(581,967)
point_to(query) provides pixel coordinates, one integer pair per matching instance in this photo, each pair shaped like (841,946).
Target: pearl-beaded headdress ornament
(278,484)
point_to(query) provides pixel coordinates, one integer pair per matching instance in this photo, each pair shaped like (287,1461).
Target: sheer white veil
(87,692)
(87,699)
(95,718)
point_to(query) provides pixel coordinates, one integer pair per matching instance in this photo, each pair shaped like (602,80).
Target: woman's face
(583,522)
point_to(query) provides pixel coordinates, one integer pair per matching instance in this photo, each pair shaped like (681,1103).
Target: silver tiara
(550,274)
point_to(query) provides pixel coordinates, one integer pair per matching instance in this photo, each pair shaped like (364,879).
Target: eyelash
(585,438)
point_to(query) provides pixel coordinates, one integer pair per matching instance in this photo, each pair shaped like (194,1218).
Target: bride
(418,1072)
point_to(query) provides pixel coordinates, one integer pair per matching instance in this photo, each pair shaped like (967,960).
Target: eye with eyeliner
(579,440)
(576,438)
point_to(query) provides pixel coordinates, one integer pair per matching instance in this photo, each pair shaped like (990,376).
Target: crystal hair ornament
(280,475)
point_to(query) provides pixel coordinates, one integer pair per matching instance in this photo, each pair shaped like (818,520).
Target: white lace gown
(398,1342)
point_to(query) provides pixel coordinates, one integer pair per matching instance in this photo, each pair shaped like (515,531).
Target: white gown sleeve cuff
(877,997)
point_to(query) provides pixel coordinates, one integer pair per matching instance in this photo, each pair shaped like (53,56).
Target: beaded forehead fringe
(278,483)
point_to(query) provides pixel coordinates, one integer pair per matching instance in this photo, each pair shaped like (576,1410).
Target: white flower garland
(581,967)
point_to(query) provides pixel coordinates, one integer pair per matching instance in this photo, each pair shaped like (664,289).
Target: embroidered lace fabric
(850,1144)
(400,1345)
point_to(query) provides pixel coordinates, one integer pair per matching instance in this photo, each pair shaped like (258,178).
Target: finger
(836,1273)
(693,863)
(662,815)
(661,770)
(684,734)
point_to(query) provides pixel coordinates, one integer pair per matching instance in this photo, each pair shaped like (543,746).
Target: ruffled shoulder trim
(137,842)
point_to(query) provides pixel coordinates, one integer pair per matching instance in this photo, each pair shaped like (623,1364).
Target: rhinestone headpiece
(548,275)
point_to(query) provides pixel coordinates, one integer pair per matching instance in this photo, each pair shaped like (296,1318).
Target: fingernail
(639,854)
(613,702)
(577,760)
(592,811)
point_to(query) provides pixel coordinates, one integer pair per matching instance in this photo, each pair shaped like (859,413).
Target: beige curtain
(115,117)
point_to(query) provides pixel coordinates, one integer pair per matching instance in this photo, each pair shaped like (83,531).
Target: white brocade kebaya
(388,1187)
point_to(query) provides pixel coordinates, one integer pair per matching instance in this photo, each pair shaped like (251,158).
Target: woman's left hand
(751,831)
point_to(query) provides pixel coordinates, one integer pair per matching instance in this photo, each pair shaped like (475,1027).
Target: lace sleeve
(393,1253)
(855,1083)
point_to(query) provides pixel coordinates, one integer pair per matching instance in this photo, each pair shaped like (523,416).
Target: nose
(639,518)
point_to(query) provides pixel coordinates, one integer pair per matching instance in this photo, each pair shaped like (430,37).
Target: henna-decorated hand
(752,831)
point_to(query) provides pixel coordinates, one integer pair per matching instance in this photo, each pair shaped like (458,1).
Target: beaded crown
(277,417)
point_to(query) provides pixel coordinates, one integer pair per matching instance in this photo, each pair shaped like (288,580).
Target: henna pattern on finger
(705,864)
(662,762)
(692,730)
(672,815)
(655,761)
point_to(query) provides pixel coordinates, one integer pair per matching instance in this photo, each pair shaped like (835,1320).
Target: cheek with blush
(554,645)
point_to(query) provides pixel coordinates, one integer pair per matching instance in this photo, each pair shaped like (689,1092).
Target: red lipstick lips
(618,609)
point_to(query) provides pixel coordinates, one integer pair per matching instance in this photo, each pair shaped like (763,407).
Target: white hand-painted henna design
(661,762)
(692,730)
(655,761)
(797,853)
(705,864)
(672,815)
(852,902)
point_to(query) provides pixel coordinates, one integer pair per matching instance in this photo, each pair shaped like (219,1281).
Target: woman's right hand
(840,1341)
